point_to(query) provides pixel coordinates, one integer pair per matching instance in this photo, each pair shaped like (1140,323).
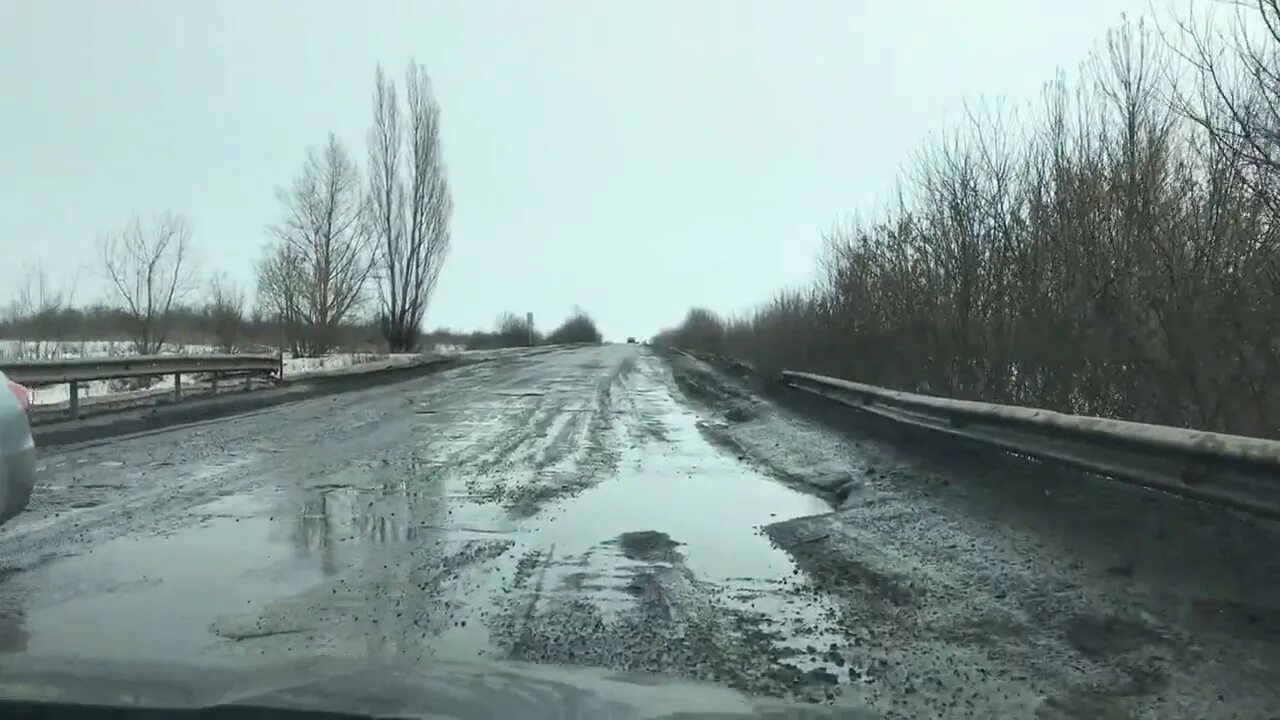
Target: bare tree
(225,308)
(40,312)
(150,271)
(1236,96)
(1118,256)
(39,295)
(409,201)
(314,279)
(577,328)
(517,331)
(280,294)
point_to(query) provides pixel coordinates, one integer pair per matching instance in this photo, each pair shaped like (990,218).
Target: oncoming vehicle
(17,449)
(631,341)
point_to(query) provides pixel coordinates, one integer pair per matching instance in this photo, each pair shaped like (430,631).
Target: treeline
(188,325)
(353,249)
(514,330)
(1115,253)
(209,325)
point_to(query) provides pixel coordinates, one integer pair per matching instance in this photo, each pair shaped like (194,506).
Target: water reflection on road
(568,509)
(148,597)
(336,516)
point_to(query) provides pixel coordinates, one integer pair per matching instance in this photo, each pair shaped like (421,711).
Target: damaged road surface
(589,507)
(560,507)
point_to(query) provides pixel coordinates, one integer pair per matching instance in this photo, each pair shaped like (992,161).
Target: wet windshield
(874,360)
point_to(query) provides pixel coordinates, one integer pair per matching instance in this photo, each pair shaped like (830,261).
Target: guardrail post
(177,387)
(213,385)
(75,400)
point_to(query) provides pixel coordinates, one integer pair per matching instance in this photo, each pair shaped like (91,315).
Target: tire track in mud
(656,615)
(504,465)
(660,602)
(400,599)
(563,508)
(560,451)
(634,404)
(148,485)
(631,601)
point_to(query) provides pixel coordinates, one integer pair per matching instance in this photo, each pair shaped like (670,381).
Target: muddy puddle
(156,597)
(706,505)
(644,550)
(671,546)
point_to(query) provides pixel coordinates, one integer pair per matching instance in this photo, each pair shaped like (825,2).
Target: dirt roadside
(974,583)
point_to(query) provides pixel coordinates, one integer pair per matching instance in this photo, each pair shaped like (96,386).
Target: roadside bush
(133,384)
(1118,255)
(516,331)
(205,325)
(579,328)
(702,330)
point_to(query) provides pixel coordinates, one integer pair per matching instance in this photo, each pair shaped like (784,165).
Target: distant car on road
(631,341)
(17,449)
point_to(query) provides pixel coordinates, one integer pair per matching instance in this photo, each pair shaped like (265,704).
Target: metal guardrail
(81,370)
(1232,470)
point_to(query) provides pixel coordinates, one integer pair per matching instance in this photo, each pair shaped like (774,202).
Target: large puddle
(328,564)
(709,503)
(156,597)
(684,514)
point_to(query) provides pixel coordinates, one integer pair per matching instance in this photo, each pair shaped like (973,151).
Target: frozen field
(31,350)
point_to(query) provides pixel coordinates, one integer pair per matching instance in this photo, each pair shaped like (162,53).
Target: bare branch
(225,308)
(409,201)
(315,277)
(150,272)
(1121,259)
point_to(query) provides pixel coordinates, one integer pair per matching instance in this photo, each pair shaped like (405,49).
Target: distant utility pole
(528,321)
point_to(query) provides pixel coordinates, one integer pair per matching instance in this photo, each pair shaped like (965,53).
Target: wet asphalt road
(588,507)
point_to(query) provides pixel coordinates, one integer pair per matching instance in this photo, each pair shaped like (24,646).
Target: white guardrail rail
(81,370)
(1232,470)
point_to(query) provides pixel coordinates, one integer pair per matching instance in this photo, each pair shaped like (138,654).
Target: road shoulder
(974,582)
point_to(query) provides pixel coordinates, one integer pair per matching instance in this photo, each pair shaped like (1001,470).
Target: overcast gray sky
(634,158)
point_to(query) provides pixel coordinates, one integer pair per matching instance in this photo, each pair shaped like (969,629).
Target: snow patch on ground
(94,389)
(100,390)
(35,350)
(24,351)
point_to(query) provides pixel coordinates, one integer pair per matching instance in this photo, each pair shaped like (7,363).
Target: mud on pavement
(560,508)
(606,507)
(969,583)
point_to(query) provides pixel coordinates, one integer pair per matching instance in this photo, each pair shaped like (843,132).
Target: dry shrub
(1111,254)
(578,328)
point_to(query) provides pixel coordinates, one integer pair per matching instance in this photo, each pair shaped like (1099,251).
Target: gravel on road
(610,507)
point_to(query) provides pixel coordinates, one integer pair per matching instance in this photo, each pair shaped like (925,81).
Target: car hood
(339,687)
